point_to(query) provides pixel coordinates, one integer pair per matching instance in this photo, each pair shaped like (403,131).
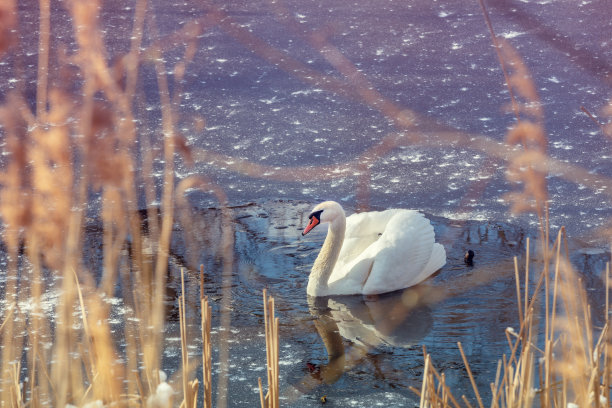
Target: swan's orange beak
(314,221)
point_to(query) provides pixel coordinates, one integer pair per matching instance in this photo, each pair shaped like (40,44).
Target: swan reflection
(394,319)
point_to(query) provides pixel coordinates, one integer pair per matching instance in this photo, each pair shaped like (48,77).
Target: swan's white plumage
(379,252)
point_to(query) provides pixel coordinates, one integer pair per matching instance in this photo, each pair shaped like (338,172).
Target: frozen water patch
(465,215)
(512,34)
(562,145)
(592,251)
(306,92)
(377,399)
(270,101)
(46,305)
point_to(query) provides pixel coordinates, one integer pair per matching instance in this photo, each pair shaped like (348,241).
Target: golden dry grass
(568,364)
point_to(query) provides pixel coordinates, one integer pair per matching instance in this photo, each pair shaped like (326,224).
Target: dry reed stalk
(528,132)
(607,353)
(190,388)
(43,60)
(8,23)
(16,216)
(466,401)
(225,316)
(206,343)
(527,248)
(109,374)
(132,59)
(167,208)
(38,329)
(580,355)
(469,371)
(271,399)
(425,381)
(517,280)
(183,335)
(607,111)
(134,385)
(146,243)
(15,386)
(115,235)
(495,386)
(227,254)
(88,355)
(431,394)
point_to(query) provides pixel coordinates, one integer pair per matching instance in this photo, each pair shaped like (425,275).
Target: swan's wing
(356,256)
(436,261)
(362,230)
(403,254)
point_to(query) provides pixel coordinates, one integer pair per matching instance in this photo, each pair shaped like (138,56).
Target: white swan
(372,252)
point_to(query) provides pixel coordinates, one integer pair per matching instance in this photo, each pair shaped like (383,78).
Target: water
(434,58)
(473,305)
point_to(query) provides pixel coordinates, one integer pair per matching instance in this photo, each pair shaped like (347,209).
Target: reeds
(206,313)
(190,388)
(80,142)
(569,364)
(271,398)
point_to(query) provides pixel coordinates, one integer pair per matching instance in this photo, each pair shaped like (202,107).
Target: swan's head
(327,211)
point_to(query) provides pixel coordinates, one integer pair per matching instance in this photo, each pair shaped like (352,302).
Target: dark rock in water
(469,257)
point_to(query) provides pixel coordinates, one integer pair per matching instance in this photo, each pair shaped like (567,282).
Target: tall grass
(68,148)
(565,362)
(569,364)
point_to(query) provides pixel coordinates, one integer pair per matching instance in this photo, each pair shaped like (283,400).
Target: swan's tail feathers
(437,260)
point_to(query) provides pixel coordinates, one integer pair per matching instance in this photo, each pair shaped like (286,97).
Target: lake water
(292,86)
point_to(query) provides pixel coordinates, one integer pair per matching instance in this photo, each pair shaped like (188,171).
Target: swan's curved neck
(325,262)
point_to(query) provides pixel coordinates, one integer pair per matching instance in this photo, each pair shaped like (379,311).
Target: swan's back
(386,251)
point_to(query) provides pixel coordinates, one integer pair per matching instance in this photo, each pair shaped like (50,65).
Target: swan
(372,252)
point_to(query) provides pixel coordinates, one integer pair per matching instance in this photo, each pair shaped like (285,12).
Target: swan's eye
(316,214)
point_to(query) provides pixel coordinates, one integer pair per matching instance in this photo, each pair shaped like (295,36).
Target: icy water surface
(267,83)
(380,339)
